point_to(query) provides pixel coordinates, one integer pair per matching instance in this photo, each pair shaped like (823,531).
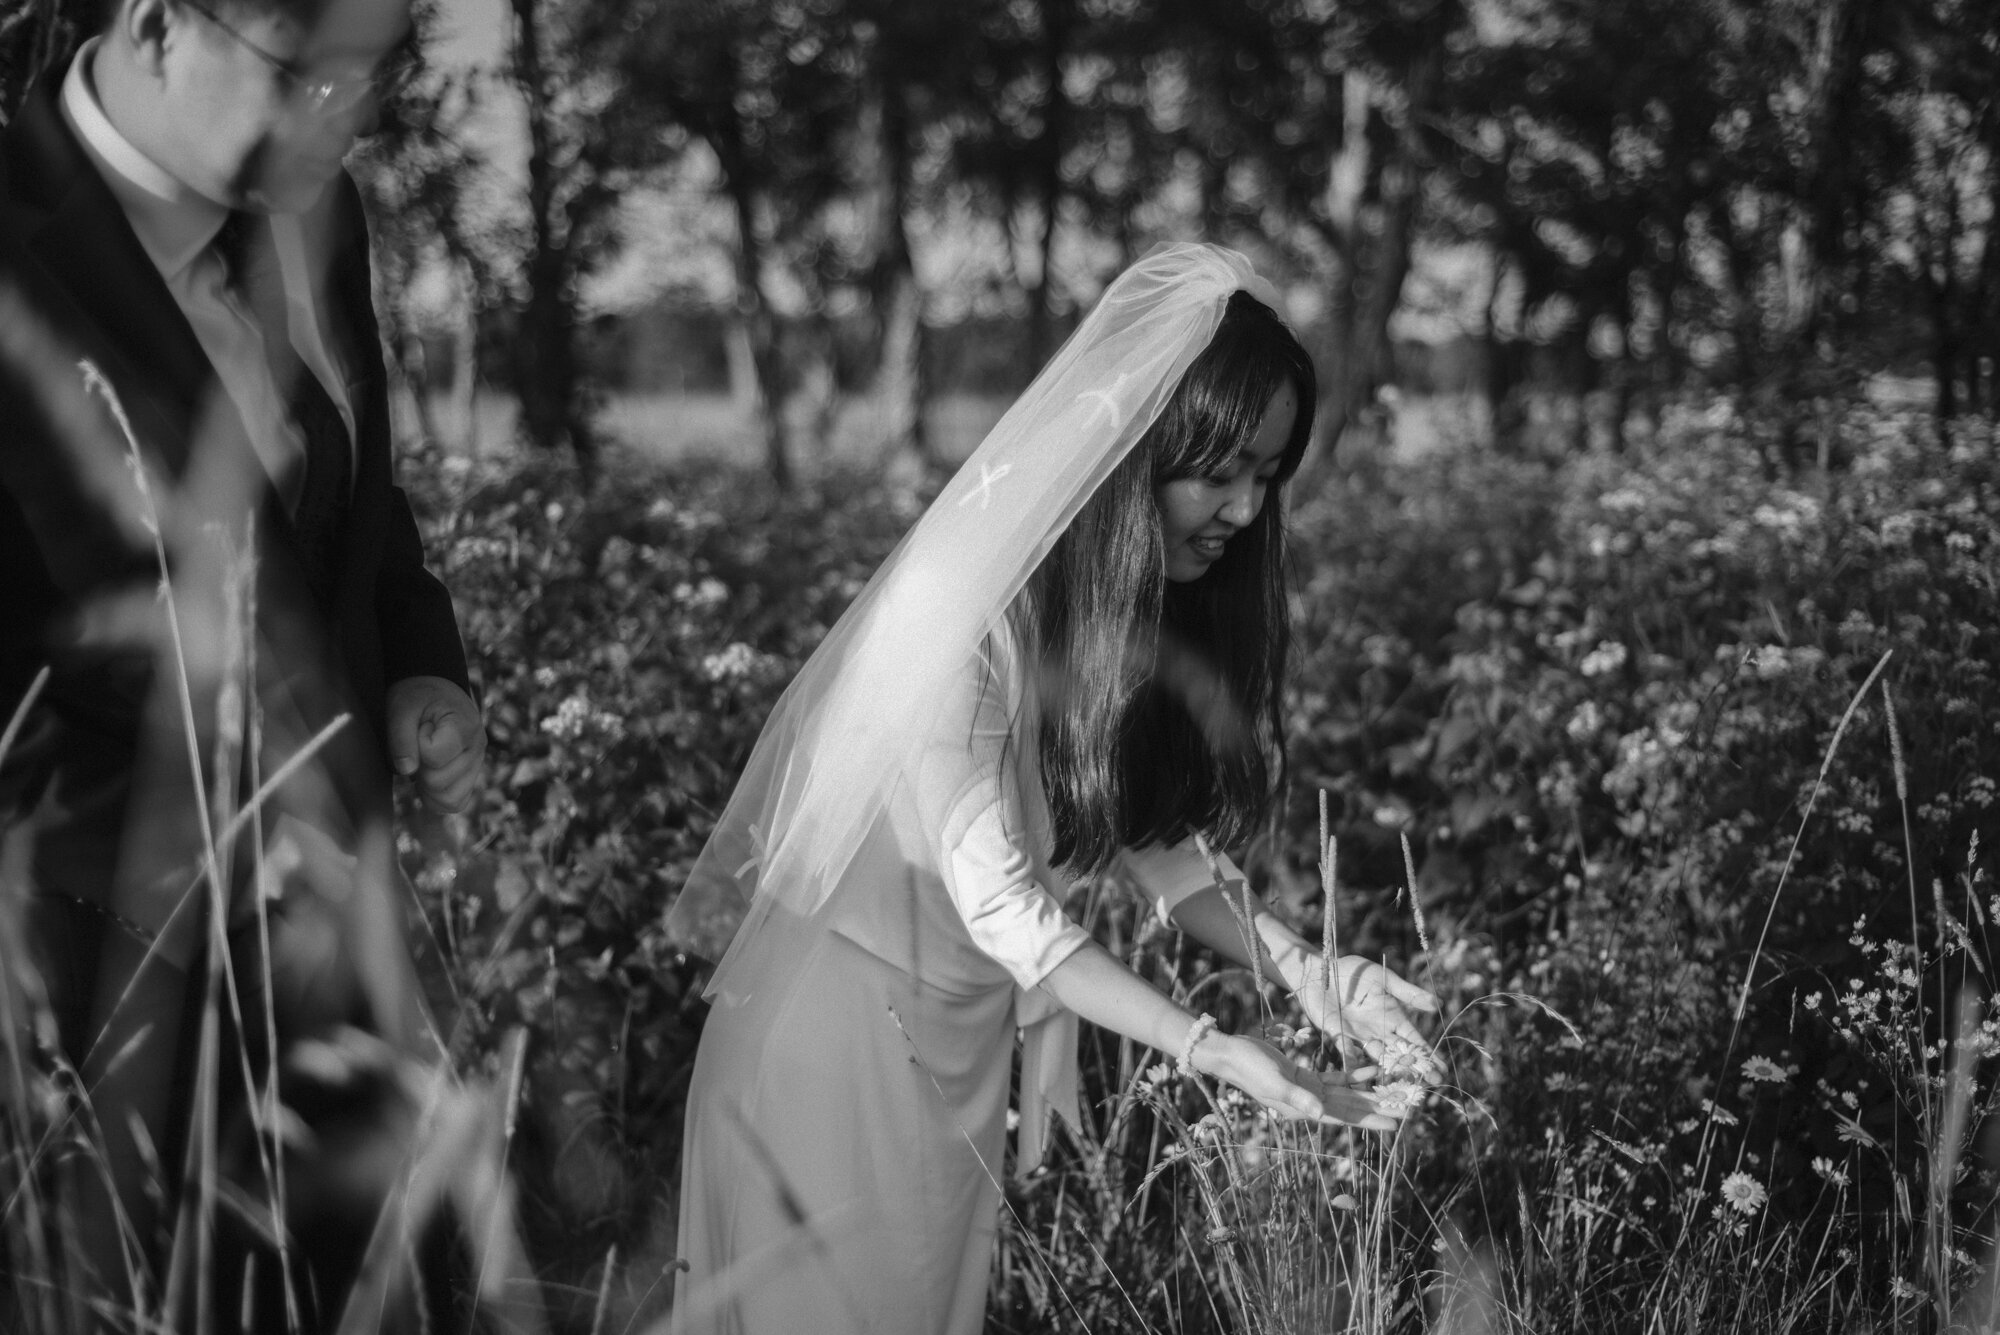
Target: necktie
(316,492)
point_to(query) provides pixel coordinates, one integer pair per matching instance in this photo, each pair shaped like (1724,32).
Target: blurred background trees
(1542,215)
(34,35)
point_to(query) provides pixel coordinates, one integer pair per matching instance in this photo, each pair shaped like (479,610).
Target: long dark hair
(1160,701)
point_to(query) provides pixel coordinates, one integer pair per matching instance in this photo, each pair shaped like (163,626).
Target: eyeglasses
(322,96)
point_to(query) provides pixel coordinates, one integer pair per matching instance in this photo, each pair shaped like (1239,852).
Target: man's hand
(435,735)
(1371,1006)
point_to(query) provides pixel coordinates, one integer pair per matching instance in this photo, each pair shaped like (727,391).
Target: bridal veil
(846,731)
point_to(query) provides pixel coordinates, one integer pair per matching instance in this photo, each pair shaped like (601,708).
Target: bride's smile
(1200,514)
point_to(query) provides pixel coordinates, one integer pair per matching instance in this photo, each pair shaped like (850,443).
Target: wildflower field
(1674,780)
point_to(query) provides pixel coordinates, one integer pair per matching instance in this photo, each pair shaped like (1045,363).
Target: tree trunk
(403,345)
(760,331)
(465,374)
(1048,157)
(37,39)
(414,365)
(900,382)
(545,365)
(742,360)
(1347,183)
(1624,372)
(1580,371)
(1944,357)
(1983,307)
(1831,69)
(1948,347)
(822,389)
(1375,258)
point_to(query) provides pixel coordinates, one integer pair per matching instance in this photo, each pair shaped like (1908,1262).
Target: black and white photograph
(987,667)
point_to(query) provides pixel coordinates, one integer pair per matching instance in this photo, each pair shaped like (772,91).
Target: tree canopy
(1770,198)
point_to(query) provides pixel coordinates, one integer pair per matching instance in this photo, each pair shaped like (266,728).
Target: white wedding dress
(846,1123)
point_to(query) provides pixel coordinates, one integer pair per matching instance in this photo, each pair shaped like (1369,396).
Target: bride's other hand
(1372,1007)
(1291,1090)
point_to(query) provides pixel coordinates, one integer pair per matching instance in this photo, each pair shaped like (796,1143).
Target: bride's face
(1199,515)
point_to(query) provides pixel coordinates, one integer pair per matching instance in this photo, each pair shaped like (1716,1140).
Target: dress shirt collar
(172,222)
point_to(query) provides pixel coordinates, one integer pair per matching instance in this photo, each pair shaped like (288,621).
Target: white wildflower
(1743,1193)
(572,716)
(1399,1097)
(1586,722)
(705,596)
(1764,1069)
(736,662)
(1608,656)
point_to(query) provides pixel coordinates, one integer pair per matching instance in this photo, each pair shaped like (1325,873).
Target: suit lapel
(119,310)
(89,248)
(78,235)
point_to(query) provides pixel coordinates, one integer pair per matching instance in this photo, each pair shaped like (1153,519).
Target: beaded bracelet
(1200,1029)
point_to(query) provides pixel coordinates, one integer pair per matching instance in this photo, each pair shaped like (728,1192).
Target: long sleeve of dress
(1168,874)
(984,802)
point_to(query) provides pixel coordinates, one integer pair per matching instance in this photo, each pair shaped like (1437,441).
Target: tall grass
(1620,1225)
(80,1175)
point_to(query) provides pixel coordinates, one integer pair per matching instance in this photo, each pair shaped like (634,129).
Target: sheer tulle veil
(842,735)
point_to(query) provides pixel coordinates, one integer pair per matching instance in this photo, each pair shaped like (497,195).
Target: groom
(173,211)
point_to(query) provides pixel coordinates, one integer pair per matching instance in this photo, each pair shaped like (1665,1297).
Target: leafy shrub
(1617,702)
(1601,698)
(628,644)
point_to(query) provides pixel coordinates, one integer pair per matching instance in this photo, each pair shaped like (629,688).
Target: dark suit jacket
(99,811)
(76,569)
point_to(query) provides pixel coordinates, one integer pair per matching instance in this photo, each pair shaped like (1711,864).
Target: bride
(1073,661)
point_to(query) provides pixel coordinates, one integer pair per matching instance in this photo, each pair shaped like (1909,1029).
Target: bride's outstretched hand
(1372,1007)
(1292,1090)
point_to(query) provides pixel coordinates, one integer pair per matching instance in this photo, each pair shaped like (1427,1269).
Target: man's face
(261,108)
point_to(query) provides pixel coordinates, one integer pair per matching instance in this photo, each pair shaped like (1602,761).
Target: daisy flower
(1764,1069)
(1743,1193)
